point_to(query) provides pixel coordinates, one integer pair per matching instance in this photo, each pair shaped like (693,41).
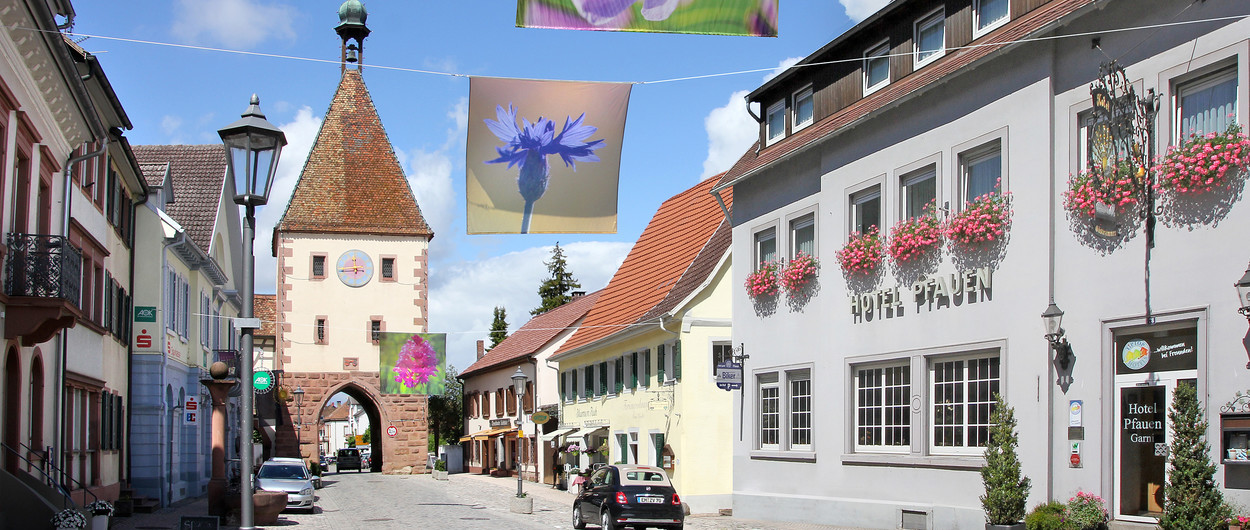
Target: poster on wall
(543,156)
(412,363)
(754,18)
(1156,351)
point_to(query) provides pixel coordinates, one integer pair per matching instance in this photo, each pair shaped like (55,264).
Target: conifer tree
(557,288)
(1006,489)
(1191,499)
(499,327)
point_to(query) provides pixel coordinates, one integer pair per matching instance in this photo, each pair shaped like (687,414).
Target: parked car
(291,476)
(616,496)
(348,459)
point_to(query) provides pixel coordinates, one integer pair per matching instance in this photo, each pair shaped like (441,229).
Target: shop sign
(933,292)
(262,381)
(500,422)
(1074,413)
(190,411)
(729,375)
(145,313)
(540,417)
(1165,351)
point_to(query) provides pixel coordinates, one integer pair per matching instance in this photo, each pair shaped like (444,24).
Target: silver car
(290,477)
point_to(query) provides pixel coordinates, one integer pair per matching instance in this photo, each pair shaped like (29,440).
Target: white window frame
(1217,77)
(978,28)
(628,372)
(794,407)
(855,201)
(799,97)
(770,136)
(969,153)
(880,52)
(931,367)
(937,17)
(911,178)
(798,222)
(856,390)
(715,344)
(670,366)
(768,233)
(610,391)
(781,380)
(771,382)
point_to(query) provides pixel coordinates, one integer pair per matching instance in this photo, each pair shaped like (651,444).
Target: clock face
(355,268)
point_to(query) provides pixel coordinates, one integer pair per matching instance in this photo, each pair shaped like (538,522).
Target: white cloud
(463,295)
(731,130)
(300,135)
(234,24)
(858,10)
(170,124)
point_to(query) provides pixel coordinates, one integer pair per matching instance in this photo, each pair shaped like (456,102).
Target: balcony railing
(43,266)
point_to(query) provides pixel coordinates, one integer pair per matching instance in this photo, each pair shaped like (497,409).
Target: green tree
(349,440)
(368,436)
(1191,499)
(1006,489)
(499,327)
(446,411)
(557,289)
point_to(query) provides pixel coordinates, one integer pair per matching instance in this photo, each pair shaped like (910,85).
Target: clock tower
(351,249)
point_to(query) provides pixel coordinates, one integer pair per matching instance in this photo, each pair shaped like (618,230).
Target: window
(657,441)
(930,37)
(205,323)
(572,395)
(803,235)
(770,412)
(722,352)
(320,331)
(785,410)
(588,381)
(919,191)
(1207,104)
(962,399)
(876,68)
(388,268)
(619,385)
(646,368)
(775,122)
(804,109)
(631,369)
(988,14)
(660,364)
(765,247)
(318,267)
(800,409)
(375,330)
(184,309)
(882,408)
(981,171)
(866,210)
(603,379)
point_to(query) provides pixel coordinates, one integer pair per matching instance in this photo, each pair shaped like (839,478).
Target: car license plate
(651,500)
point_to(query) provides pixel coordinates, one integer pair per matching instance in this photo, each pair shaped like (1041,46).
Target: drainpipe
(668,418)
(759,120)
(125,467)
(1051,373)
(169,487)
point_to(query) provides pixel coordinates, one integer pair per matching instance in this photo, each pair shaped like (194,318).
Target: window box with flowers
(800,272)
(862,252)
(986,219)
(764,282)
(915,237)
(1204,163)
(1091,193)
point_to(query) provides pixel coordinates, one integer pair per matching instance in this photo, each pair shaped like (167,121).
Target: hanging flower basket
(764,282)
(986,219)
(862,253)
(1092,193)
(1204,163)
(799,272)
(915,237)
(69,519)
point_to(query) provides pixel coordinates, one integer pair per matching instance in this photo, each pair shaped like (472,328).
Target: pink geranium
(987,218)
(914,237)
(862,252)
(765,281)
(799,272)
(417,362)
(1204,163)
(1122,187)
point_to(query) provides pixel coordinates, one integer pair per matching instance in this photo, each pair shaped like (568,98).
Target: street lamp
(252,149)
(1053,320)
(299,406)
(518,384)
(1243,305)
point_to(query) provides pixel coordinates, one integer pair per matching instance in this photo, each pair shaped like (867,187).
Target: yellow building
(636,378)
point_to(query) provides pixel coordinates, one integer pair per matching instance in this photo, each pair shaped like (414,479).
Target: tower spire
(352,16)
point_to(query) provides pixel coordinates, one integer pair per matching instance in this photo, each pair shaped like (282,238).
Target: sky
(184,81)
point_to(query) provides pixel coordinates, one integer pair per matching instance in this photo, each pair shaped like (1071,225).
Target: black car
(618,496)
(348,459)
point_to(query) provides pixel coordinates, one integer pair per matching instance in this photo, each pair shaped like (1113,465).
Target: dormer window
(930,37)
(876,68)
(803,108)
(988,14)
(776,122)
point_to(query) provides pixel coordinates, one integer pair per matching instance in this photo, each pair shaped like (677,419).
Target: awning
(479,435)
(586,431)
(501,431)
(556,434)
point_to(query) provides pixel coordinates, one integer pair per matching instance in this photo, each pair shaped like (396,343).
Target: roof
(1031,22)
(352,182)
(338,414)
(198,173)
(661,266)
(154,174)
(263,307)
(535,334)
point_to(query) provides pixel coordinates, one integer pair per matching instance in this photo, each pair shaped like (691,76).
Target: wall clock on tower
(355,268)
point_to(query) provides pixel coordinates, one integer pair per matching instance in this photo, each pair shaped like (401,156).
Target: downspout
(758,120)
(723,208)
(125,467)
(668,418)
(1050,367)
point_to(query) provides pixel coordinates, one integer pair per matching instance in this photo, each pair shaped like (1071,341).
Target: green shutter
(659,365)
(564,385)
(646,367)
(620,374)
(603,378)
(633,372)
(677,360)
(659,449)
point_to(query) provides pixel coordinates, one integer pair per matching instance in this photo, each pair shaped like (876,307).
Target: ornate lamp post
(253,146)
(1243,305)
(299,407)
(518,384)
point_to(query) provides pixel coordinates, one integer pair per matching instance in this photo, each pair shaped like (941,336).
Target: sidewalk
(165,518)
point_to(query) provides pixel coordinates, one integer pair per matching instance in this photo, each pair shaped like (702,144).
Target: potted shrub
(1048,516)
(1006,489)
(1086,511)
(440,469)
(1191,497)
(764,281)
(986,219)
(862,252)
(1204,163)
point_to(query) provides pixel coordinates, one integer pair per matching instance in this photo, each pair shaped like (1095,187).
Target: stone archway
(400,454)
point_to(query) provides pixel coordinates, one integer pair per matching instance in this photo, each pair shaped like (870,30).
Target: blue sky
(676,133)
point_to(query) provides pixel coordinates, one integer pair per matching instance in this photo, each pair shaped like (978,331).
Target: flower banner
(756,18)
(543,156)
(413,363)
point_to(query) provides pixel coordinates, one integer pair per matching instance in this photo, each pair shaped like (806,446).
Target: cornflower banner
(412,363)
(516,127)
(756,18)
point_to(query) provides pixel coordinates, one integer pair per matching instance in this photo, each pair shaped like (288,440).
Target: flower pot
(521,505)
(266,505)
(99,522)
(439,475)
(1014,526)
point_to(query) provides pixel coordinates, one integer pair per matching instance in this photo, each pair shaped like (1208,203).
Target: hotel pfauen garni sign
(932,292)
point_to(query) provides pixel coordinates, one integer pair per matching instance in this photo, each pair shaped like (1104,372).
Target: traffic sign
(729,375)
(392,431)
(1075,459)
(262,381)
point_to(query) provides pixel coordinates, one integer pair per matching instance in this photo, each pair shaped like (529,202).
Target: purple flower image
(417,362)
(528,145)
(600,12)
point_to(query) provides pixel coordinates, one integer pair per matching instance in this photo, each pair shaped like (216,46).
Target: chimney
(577,294)
(481,348)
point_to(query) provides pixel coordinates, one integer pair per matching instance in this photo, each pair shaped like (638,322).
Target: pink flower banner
(543,156)
(755,18)
(412,363)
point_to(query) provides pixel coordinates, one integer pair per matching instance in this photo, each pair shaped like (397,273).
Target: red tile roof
(535,334)
(950,64)
(660,270)
(198,173)
(352,182)
(263,308)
